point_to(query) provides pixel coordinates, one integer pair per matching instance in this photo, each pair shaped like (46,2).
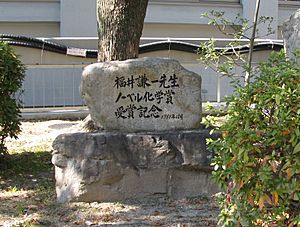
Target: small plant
(257,159)
(224,60)
(12,73)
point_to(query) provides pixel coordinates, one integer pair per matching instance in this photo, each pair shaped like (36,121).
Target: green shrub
(12,73)
(257,160)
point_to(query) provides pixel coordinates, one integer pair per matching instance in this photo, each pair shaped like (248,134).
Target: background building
(53,78)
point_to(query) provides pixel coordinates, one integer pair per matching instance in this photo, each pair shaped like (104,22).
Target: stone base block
(111,166)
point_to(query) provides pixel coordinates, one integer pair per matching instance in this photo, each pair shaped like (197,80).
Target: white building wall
(175,18)
(181,12)
(31,29)
(29,11)
(30,17)
(78,18)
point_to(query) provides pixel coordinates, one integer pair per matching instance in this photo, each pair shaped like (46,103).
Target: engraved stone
(291,34)
(148,94)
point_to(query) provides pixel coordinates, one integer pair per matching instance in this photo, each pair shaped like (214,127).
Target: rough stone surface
(148,94)
(291,34)
(110,166)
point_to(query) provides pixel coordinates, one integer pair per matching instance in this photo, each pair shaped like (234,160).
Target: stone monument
(151,94)
(291,34)
(152,142)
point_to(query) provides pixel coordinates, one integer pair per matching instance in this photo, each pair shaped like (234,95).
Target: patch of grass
(26,186)
(25,169)
(25,148)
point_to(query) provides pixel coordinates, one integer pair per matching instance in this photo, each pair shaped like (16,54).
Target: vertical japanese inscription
(150,98)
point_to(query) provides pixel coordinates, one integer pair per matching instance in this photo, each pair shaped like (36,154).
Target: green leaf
(297,148)
(277,99)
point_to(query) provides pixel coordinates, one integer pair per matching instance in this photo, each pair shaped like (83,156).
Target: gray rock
(109,166)
(291,34)
(148,94)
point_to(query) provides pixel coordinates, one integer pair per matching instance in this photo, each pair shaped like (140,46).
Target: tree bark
(120,25)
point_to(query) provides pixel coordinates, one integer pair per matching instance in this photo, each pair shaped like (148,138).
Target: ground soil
(27,191)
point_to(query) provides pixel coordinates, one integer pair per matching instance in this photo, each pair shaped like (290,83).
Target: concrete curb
(62,113)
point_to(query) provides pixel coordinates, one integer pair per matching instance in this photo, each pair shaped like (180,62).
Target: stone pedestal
(111,166)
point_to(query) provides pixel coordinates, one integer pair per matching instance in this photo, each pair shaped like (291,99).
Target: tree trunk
(120,25)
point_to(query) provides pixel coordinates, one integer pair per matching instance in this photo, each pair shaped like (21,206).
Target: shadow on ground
(26,170)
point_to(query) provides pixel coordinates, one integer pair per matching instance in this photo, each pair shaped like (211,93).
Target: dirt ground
(42,133)
(27,191)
